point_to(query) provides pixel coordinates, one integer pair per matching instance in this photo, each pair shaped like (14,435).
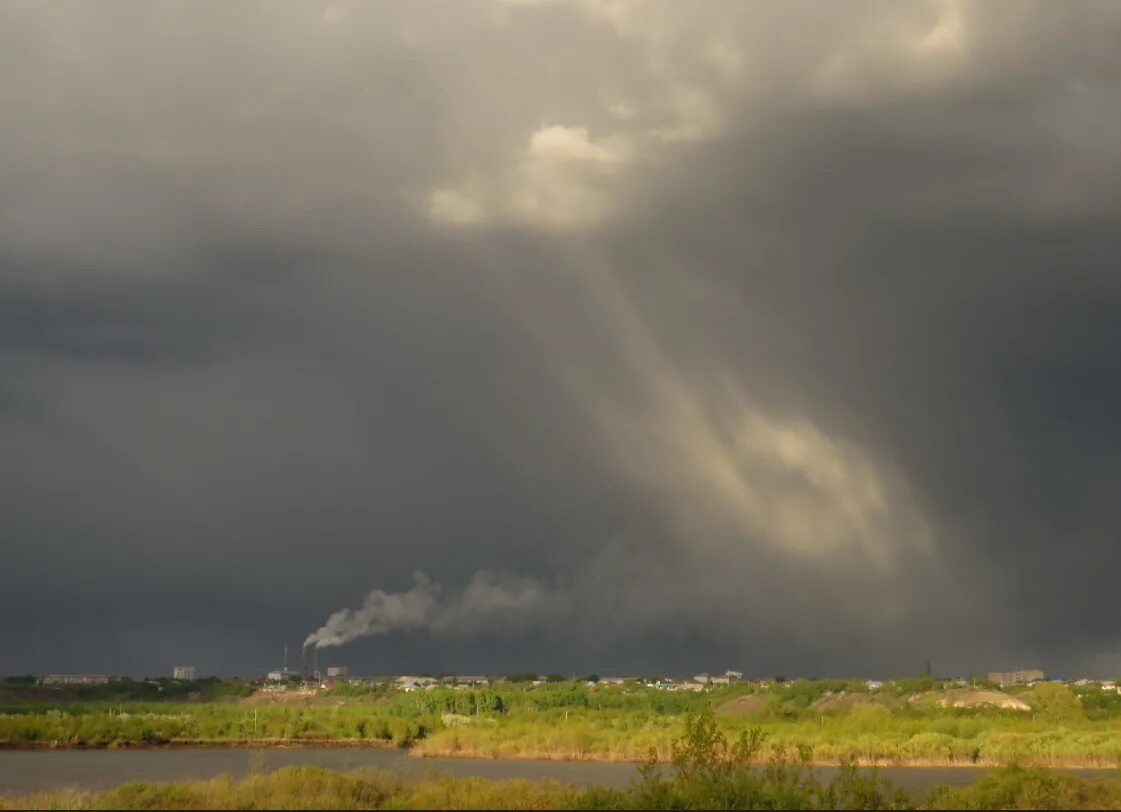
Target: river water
(27,771)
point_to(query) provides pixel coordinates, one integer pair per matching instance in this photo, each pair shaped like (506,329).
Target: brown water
(26,771)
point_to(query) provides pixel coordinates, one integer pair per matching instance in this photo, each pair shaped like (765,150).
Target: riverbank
(1104,763)
(422,750)
(309,788)
(208,744)
(786,785)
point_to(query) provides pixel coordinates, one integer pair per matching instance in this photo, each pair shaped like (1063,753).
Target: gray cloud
(775,334)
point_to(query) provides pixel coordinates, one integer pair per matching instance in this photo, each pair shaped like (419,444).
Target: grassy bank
(123,724)
(313,788)
(310,788)
(709,771)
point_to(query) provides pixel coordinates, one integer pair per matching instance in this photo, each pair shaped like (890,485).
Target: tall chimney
(303,661)
(315,661)
(285,656)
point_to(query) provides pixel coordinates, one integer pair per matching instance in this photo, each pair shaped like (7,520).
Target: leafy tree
(1055,702)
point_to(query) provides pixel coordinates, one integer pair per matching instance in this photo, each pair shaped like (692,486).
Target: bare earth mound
(975,698)
(743,705)
(304,698)
(844,701)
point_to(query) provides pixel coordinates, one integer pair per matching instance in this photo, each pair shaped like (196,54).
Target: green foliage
(1019,788)
(914,685)
(709,772)
(124,690)
(1055,702)
(17,681)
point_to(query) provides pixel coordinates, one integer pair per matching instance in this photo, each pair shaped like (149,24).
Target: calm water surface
(40,770)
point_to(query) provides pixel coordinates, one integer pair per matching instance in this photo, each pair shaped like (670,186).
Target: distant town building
(74,679)
(416,683)
(873,684)
(187,672)
(467,680)
(720,681)
(336,671)
(734,676)
(1006,678)
(701,678)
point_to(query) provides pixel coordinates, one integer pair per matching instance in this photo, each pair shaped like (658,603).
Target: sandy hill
(972,698)
(744,705)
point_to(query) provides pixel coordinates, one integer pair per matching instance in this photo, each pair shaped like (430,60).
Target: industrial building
(185,672)
(285,673)
(336,671)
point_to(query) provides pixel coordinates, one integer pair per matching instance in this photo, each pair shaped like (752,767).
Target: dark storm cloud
(782,335)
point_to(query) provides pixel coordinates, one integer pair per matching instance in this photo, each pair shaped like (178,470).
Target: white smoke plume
(494,601)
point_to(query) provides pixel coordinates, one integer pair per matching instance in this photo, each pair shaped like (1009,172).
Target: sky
(574,336)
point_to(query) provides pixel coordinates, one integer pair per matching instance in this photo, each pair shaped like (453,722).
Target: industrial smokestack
(303,662)
(285,656)
(315,662)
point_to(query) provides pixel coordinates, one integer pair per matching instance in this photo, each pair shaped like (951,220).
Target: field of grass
(905,723)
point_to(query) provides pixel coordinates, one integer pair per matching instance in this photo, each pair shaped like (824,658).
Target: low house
(701,678)
(734,676)
(720,681)
(873,684)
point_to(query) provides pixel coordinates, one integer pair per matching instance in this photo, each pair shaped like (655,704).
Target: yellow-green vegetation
(907,722)
(911,723)
(709,771)
(310,788)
